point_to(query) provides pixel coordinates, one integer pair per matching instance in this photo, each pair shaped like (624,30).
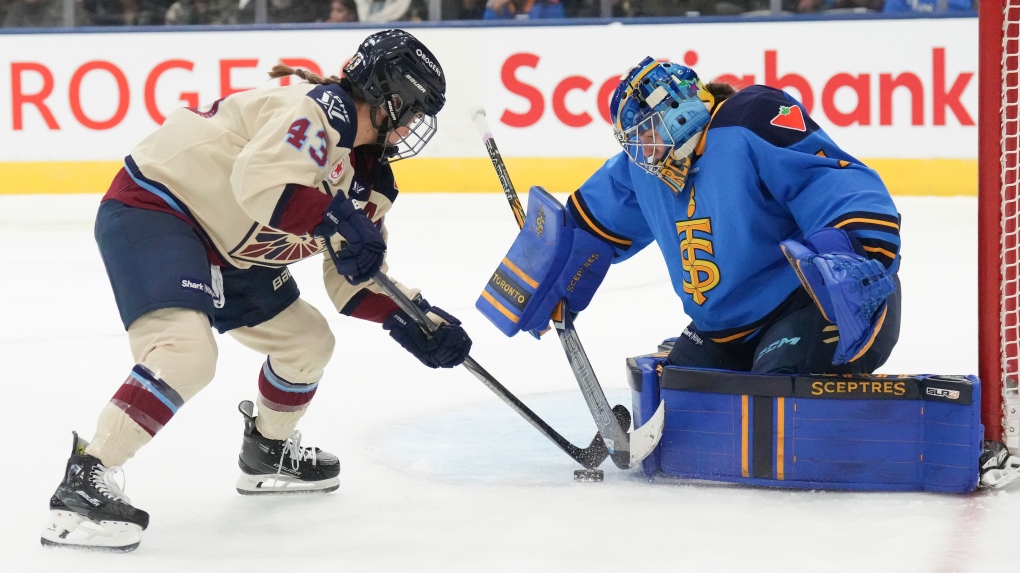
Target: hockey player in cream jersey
(197,230)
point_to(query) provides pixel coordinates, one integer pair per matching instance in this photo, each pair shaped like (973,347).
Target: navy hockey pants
(798,340)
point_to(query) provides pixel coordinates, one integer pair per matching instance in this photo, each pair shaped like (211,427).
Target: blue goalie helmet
(659,111)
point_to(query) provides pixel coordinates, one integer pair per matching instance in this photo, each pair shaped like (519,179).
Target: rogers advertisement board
(884,89)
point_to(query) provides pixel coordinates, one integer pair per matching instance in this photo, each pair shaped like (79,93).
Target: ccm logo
(943,393)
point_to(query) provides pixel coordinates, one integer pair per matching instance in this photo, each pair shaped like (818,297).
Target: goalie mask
(396,73)
(659,111)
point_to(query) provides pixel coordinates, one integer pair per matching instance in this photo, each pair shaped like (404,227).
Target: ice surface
(438,474)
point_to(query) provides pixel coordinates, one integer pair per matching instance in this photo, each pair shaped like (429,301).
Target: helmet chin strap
(677,165)
(382,127)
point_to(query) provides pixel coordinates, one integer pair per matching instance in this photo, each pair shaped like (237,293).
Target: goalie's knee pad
(883,433)
(550,260)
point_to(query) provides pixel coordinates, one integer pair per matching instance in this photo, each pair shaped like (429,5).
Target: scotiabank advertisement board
(900,94)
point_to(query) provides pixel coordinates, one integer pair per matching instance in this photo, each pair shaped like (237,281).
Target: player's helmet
(659,111)
(395,72)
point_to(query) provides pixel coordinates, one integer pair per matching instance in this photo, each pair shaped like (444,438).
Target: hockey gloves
(447,347)
(849,289)
(362,249)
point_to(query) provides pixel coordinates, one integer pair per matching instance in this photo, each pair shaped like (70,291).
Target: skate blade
(264,484)
(75,531)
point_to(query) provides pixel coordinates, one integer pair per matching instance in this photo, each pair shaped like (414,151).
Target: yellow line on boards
(939,177)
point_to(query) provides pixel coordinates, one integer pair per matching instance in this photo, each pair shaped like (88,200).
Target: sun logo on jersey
(272,247)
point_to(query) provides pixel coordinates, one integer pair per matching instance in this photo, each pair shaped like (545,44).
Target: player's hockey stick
(626,450)
(589,457)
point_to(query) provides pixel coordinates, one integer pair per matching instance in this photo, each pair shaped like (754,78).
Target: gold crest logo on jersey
(702,275)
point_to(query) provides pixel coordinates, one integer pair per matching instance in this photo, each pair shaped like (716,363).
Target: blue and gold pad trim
(881,433)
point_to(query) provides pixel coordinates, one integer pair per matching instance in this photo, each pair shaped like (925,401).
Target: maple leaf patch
(790,117)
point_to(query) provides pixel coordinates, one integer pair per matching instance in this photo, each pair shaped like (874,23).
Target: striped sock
(147,400)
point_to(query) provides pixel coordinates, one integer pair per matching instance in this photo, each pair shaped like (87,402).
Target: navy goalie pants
(796,340)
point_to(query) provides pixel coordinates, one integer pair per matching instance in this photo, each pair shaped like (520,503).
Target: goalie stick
(589,457)
(626,450)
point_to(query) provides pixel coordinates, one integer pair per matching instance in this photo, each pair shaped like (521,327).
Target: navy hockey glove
(362,249)
(849,289)
(447,347)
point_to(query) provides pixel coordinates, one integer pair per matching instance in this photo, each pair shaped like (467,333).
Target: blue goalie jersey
(762,173)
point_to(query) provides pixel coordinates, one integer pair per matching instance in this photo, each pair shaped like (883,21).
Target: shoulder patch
(789,117)
(769,113)
(339,109)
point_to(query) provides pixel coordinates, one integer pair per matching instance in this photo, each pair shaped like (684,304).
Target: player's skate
(89,509)
(282,466)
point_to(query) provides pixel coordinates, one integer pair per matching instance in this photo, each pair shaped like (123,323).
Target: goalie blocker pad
(550,260)
(877,432)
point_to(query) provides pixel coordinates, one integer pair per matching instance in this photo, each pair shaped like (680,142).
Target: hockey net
(999,219)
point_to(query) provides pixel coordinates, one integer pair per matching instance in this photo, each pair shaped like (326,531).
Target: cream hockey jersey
(254,173)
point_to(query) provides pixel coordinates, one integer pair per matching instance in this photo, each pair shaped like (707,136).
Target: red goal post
(999,218)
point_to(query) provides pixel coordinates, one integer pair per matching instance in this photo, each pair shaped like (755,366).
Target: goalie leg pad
(879,433)
(550,260)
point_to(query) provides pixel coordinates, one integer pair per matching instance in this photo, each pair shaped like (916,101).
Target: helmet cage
(410,137)
(397,74)
(647,143)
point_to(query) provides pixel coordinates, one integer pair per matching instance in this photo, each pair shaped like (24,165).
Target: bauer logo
(509,290)
(415,82)
(279,280)
(942,393)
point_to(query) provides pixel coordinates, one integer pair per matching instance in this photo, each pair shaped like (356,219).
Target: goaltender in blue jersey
(784,250)
(783,247)
(719,180)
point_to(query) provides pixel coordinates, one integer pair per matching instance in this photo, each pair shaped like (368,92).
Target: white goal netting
(1010,238)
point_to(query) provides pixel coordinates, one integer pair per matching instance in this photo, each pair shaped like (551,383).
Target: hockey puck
(588,476)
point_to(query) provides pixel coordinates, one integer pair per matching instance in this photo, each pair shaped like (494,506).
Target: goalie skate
(282,466)
(998,467)
(89,509)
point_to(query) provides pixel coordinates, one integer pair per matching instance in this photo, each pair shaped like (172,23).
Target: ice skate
(282,466)
(89,509)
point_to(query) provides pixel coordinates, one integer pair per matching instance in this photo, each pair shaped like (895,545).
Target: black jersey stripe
(583,217)
(884,252)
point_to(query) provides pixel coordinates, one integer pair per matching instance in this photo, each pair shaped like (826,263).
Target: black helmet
(395,72)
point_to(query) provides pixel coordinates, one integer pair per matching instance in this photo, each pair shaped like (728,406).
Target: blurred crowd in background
(62,13)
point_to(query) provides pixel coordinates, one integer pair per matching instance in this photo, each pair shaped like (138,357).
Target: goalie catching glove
(849,289)
(447,347)
(362,249)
